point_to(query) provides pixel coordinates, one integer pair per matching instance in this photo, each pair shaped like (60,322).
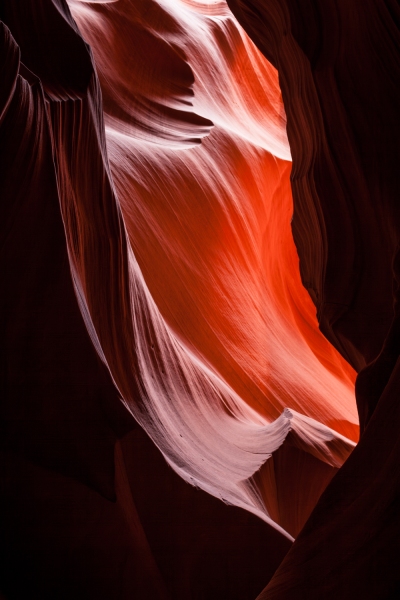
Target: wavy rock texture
(202,225)
(153,280)
(338,69)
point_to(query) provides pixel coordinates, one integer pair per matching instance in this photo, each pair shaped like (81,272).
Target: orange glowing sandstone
(225,335)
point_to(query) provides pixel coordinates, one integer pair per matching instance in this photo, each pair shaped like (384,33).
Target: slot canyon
(200,314)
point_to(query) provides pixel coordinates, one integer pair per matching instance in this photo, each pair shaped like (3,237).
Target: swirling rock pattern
(154,286)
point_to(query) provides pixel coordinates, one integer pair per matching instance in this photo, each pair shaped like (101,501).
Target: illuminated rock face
(154,286)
